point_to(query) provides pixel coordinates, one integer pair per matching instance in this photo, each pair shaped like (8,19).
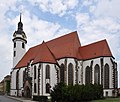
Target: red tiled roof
(64,46)
(97,49)
(44,54)
(30,55)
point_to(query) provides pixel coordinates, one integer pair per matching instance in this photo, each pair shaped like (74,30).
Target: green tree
(8,86)
(77,93)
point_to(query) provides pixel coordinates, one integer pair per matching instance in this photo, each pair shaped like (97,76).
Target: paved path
(14,99)
(6,99)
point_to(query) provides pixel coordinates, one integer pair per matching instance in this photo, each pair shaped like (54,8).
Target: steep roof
(44,54)
(97,49)
(30,55)
(64,46)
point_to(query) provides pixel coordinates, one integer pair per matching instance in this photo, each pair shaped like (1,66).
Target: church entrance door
(27,93)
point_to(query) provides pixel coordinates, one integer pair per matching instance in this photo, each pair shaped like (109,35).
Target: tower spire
(20,16)
(19,41)
(20,25)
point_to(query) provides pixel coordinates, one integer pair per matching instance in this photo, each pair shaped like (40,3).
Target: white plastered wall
(52,82)
(21,81)
(71,60)
(19,52)
(106,60)
(13,91)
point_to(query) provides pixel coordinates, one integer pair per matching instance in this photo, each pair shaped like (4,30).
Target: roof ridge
(74,32)
(56,38)
(51,52)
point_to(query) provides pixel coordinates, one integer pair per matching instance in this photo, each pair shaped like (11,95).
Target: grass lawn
(108,100)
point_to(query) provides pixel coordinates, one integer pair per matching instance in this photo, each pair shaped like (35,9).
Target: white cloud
(59,7)
(99,28)
(91,30)
(108,8)
(5,41)
(82,19)
(36,30)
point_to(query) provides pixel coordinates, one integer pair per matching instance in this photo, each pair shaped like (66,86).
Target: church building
(62,59)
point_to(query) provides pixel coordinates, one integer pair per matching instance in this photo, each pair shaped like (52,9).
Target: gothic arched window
(97,74)
(47,88)
(34,72)
(35,90)
(17,79)
(70,74)
(62,73)
(47,72)
(106,76)
(88,75)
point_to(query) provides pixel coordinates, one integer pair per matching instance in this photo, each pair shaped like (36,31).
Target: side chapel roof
(94,50)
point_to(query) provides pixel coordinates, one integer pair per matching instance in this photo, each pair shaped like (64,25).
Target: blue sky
(94,20)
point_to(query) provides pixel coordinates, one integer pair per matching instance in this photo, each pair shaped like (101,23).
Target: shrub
(63,93)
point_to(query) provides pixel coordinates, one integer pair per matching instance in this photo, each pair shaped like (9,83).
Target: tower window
(23,45)
(15,45)
(14,53)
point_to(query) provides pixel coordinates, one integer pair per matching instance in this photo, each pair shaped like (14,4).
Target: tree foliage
(77,93)
(8,86)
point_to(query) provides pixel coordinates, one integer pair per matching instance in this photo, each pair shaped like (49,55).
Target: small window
(15,45)
(23,45)
(106,93)
(14,53)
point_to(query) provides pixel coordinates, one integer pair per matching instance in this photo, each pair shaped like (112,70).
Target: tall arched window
(47,72)
(35,90)
(97,74)
(47,88)
(34,72)
(88,75)
(17,79)
(62,73)
(106,76)
(70,74)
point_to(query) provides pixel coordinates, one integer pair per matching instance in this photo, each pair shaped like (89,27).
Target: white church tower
(19,42)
